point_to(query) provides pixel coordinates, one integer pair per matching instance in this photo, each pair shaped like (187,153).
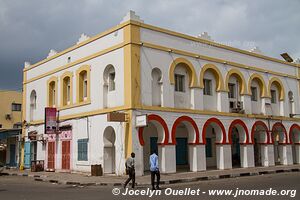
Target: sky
(30,28)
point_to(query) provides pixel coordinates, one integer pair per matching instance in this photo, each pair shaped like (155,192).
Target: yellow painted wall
(6,99)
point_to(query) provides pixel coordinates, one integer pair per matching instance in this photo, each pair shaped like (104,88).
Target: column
(267,156)
(246,99)
(264,109)
(297,153)
(197,159)
(167,154)
(285,153)
(224,156)
(222,102)
(247,155)
(281,109)
(197,98)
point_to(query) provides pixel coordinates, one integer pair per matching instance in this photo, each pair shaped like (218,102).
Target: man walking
(154,169)
(130,170)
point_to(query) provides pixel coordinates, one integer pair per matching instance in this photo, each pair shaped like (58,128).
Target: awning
(4,134)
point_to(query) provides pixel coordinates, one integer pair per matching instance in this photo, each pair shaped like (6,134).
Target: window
(17,126)
(69,59)
(231,87)
(208,148)
(0,125)
(66,90)
(16,107)
(179,83)
(253,93)
(32,104)
(111,81)
(207,87)
(52,93)
(82,150)
(83,84)
(273,96)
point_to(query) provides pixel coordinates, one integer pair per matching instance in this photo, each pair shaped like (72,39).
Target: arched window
(52,92)
(257,90)
(109,85)
(156,87)
(66,92)
(32,104)
(277,95)
(83,84)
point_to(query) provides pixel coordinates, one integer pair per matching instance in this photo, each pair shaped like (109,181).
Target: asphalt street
(25,188)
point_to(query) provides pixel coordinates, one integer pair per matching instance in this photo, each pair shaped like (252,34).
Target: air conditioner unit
(8,116)
(236,107)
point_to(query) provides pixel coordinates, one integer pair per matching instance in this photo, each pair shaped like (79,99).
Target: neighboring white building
(208,105)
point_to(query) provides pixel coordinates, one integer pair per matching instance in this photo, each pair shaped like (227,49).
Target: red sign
(50,120)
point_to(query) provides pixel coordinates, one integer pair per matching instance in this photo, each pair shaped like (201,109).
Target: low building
(10,127)
(201,104)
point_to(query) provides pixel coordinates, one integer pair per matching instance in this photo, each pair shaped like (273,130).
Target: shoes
(158,188)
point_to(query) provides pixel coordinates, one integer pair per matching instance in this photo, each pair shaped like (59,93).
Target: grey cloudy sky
(30,28)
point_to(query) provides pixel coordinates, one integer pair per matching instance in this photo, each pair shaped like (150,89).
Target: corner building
(208,106)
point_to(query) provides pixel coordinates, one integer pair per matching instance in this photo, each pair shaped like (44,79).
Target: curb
(43,178)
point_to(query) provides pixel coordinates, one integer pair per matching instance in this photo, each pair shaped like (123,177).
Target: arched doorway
(260,137)
(214,136)
(295,141)
(184,134)
(152,137)
(238,137)
(279,139)
(109,138)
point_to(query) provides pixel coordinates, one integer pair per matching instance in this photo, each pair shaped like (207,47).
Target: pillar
(168,158)
(197,159)
(267,156)
(285,153)
(247,155)
(222,102)
(197,98)
(246,99)
(224,160)
(297,153)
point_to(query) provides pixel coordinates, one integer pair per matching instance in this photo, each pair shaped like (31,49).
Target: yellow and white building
(10,126)
(208,105)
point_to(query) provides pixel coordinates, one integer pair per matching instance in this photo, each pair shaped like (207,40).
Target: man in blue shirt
(154,169)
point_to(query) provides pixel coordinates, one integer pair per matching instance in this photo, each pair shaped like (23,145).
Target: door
(51,155)
(12,155)
(153,145)
(109,160)
(27,155)
(65,155)
(181,151)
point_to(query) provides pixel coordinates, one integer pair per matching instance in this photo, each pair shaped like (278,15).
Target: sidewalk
(184,177)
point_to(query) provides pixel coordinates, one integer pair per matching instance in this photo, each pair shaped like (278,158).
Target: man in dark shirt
(130,169)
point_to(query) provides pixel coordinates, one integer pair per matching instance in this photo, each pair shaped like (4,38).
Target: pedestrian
(130,170)
(154,169)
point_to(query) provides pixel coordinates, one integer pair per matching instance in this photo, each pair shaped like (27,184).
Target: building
(10,127)
(207,105)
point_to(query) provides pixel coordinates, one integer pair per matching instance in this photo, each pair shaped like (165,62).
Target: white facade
(193,127)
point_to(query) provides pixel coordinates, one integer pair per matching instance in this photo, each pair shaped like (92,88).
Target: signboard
(116,117)
(66,135)
(51,138)
(50,120)
(141,121)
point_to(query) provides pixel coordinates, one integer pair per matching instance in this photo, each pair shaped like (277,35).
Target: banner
(50,121)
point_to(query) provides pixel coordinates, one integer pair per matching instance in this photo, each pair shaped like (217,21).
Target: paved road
(23,188)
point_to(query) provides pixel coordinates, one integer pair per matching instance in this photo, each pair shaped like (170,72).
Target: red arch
(241,123)
(184,119)
(219,123)
(260,123)
(160,120)
(279,124)
(294,126)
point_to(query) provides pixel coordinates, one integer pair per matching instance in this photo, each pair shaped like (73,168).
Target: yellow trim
(132,79)
(98,36)
(95,55)
(128,135)
(240,78)
(217,60)
(261,83)
(279,86)
(217,74)
(214,44)
(190,68)
(23,119)
(79,84)
(49,96)
(75,105)
(63,89)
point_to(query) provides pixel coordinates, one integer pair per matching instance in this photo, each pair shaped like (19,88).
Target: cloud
(29,29)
